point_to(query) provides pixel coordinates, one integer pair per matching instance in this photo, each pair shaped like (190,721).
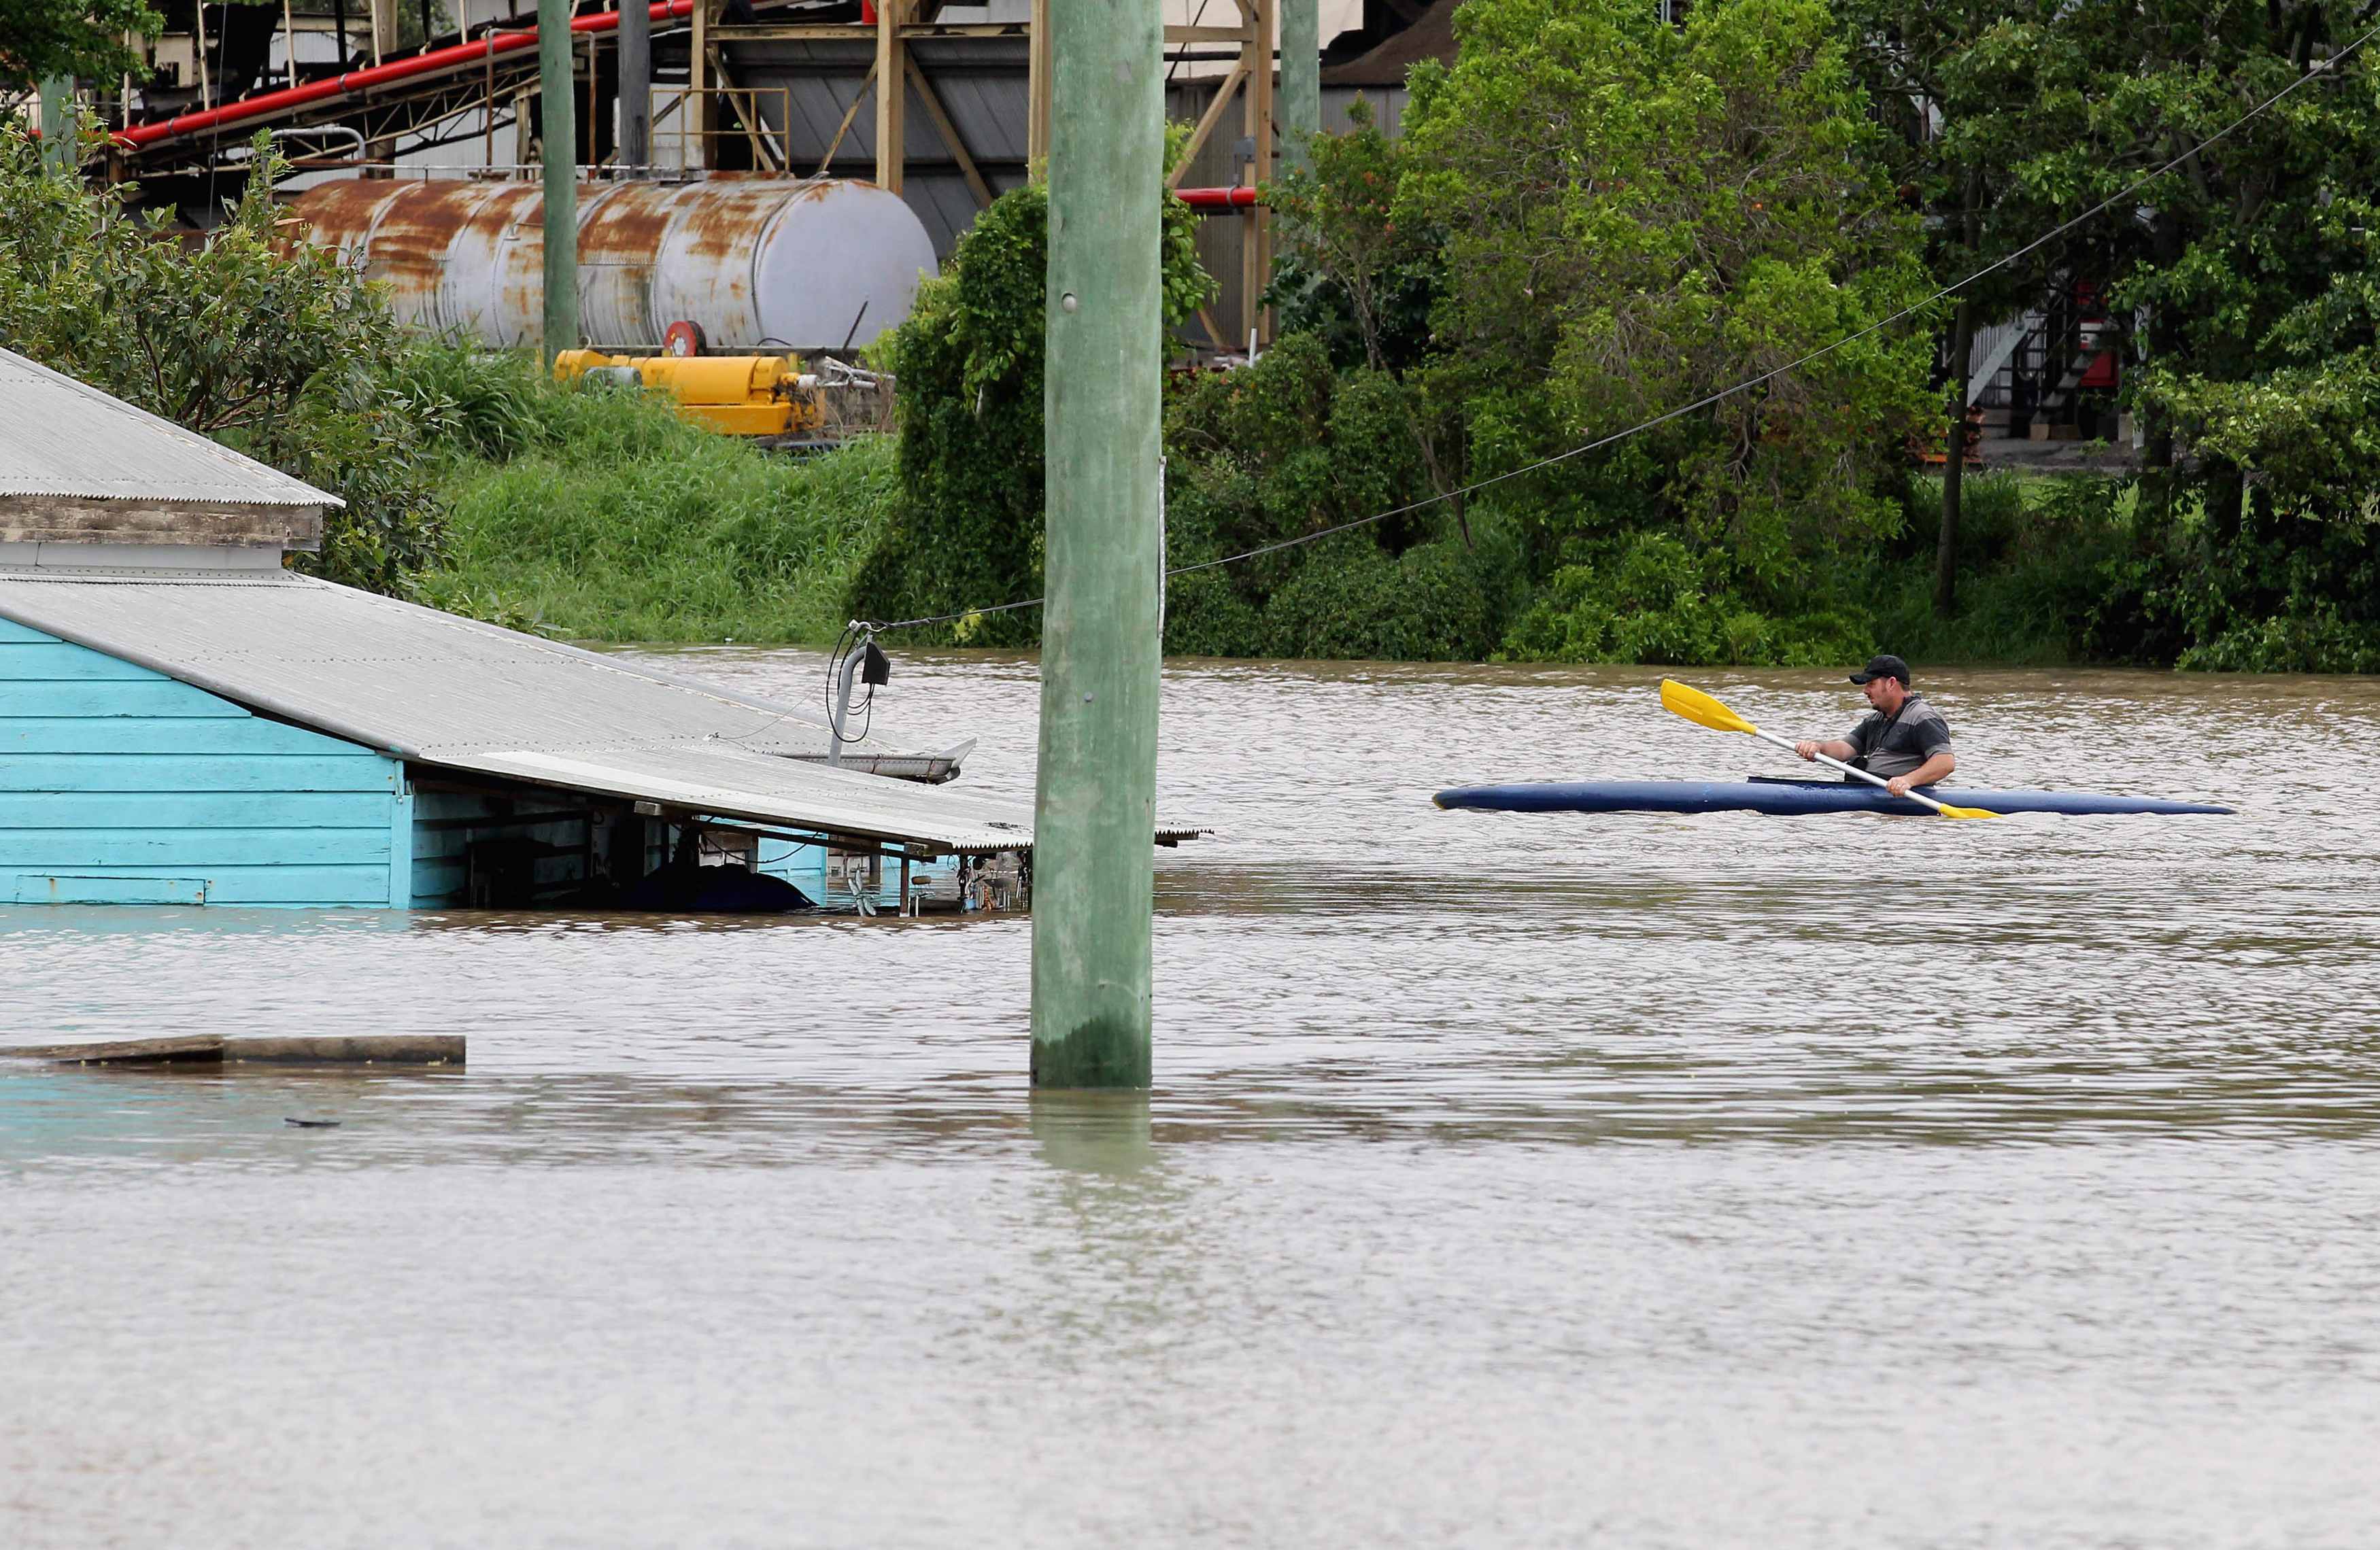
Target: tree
(1349,273)
(1911,55)
(2079,102)
(268,344)
(44,39)
(2241,277)
(1639,216)
(968,530)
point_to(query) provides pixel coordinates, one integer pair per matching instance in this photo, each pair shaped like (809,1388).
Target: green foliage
(1639,216)
(41,39)
(2241,280)
(1288,448)
(1651,599)
(2304,421)
(2278,590)
(1348,272)
(271,348)
(494,403)
(1617,219)
(604,515)
(966,530)
(1351,599)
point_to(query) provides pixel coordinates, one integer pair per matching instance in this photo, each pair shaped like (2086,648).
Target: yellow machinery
(743,396)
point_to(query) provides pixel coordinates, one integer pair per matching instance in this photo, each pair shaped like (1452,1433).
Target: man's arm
(1838,749)
(1938,767)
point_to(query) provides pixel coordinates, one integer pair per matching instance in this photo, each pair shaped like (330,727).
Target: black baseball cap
(1882,667)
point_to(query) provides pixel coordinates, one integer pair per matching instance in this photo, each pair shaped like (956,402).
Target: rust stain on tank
(509,226)
(626,226)
(337,214)
(725,222)
(408,248)
(721,230)
(409,229)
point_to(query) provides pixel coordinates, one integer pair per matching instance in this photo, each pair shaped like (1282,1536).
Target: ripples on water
(1710,1179)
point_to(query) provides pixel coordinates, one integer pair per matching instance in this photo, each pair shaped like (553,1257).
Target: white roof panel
(62,438)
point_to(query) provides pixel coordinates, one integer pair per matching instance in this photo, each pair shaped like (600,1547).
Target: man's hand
(1937,768)
(1807,748)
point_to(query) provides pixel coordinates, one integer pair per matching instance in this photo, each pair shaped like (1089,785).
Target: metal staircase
(2047,367)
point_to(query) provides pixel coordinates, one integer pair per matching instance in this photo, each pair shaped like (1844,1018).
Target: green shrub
(2315,641)
(1437,601)
(1650,599)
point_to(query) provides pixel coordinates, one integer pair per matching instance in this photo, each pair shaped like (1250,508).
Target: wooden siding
(120,785)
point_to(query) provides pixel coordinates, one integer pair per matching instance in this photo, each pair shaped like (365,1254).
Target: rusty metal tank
(758,263)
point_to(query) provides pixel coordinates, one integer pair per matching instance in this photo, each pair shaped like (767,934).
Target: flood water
(1531,1180)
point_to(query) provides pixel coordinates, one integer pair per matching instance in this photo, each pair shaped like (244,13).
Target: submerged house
(183,721)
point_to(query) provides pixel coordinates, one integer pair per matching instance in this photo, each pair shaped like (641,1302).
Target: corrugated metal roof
(60,437)
(441,690)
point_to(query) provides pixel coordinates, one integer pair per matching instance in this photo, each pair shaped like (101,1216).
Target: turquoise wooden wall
(802,865)
(122,786)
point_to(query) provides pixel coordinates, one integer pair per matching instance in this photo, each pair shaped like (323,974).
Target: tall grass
(603,516)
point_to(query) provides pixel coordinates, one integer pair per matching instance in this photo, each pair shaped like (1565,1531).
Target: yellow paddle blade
(1701,709)
(1950,812)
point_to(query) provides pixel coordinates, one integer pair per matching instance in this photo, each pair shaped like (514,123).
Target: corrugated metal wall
(122,786)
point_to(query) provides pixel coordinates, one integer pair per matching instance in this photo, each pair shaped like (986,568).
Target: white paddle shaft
(1848,770)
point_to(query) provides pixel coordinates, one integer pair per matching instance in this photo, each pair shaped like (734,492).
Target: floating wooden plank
(325,1049)
(189,1050)
(348,1049)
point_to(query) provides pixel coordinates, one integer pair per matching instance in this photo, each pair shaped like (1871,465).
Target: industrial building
(942,106)
(185,720)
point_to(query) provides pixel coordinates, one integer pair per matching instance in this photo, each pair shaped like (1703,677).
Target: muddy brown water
(1660,1180)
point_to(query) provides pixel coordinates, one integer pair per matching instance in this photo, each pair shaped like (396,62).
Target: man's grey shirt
(1895,745)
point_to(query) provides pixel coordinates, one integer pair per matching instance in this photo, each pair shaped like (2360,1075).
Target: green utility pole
(558,113)
(1300,81)
(59,127)
(1095,810)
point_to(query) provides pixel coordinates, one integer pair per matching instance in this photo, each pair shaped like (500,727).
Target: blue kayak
(1784,797)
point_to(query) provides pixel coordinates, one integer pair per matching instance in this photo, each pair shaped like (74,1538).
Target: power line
(2316,69)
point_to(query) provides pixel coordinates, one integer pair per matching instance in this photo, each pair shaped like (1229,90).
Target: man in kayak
(1906,741)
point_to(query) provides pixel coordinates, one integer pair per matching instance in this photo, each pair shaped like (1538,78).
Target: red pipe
(1217,198)
(356,82)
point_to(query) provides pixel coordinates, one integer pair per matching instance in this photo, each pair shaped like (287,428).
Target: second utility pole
(558,121)
(1095,809)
